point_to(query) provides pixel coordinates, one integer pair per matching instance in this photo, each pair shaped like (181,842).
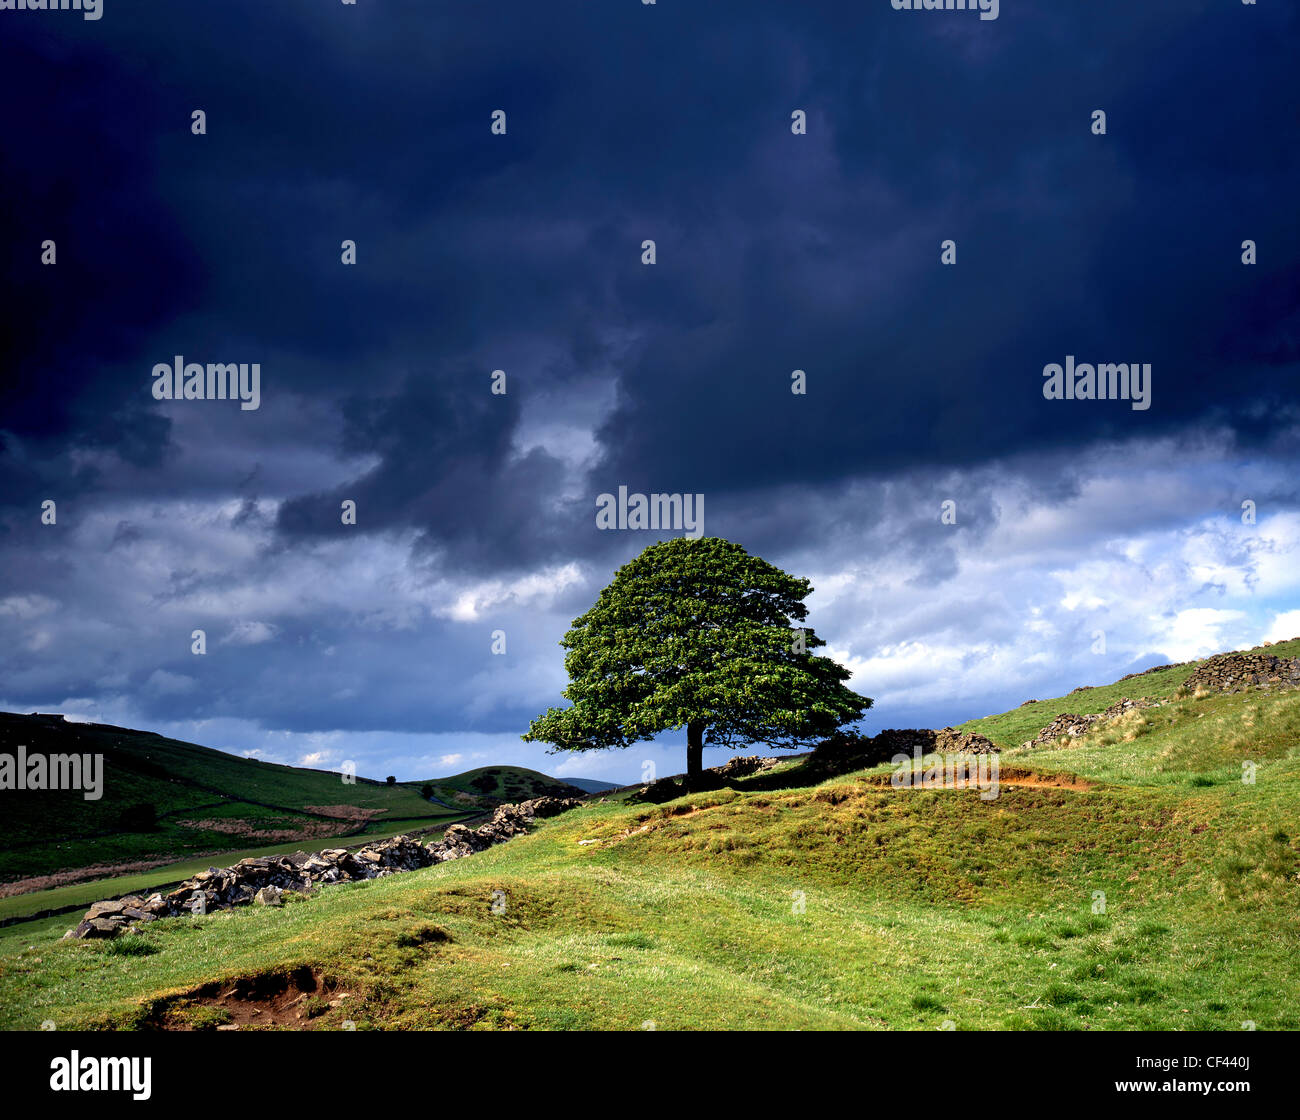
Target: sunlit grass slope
(1157,890)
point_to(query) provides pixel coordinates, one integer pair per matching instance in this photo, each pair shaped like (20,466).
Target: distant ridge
(592,785)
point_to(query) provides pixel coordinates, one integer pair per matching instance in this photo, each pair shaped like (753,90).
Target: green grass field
(1127,880)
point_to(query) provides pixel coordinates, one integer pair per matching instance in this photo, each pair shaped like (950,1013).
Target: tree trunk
(694,754)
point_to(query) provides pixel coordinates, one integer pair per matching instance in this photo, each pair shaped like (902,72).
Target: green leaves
(697,631)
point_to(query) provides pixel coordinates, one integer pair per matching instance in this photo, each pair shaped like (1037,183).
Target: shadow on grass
(809,769)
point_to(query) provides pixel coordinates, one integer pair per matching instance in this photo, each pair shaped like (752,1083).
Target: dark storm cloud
(1124,247)
(445,464)
(76,163)
(775,252)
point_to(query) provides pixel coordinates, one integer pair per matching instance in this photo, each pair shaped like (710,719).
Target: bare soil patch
(297,1000)
(1015,776)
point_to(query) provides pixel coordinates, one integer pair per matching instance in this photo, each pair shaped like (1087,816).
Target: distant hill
(164,798)
(592,785)
(493,785)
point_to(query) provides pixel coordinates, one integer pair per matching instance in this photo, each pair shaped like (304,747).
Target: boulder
(103,927)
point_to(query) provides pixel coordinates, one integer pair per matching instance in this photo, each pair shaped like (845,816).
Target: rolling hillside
(165,802)
(1125,879)
(164,799)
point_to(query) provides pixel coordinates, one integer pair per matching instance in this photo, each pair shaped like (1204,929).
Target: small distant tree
(698,634)
(485,783)
(392,781)
(426,791)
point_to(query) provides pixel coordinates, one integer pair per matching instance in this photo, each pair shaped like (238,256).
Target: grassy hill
(1128,879)
(1012,728)
(164,799)
(60,851)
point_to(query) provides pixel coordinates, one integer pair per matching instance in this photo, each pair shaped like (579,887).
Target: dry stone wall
(263,879)
(913,740)
(1224,672)
(1232,672)
(844,752)
(1070,726)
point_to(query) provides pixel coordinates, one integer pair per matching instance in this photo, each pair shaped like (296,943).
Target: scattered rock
(268,896)
(96,928)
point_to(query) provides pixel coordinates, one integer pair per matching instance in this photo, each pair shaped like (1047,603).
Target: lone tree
(702,635)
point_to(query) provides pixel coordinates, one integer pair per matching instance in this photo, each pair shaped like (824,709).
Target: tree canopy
(698,634)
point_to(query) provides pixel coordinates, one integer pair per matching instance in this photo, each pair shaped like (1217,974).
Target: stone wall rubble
(263,879)
(1232,672)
